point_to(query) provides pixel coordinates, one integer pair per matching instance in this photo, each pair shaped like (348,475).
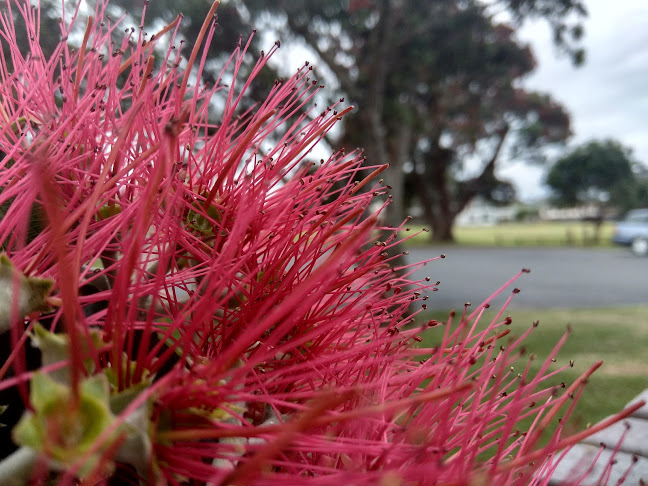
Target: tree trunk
(598,222)
(398,146)
(440,205)
(442,232)
(434,195)
(441,224)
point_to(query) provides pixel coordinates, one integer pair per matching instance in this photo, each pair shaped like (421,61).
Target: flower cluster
(211,306)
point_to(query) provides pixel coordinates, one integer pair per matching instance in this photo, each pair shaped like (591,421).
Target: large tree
(599,173)
(435,82)
(473,112)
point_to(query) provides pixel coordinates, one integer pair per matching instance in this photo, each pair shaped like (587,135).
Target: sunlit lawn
(524,234)
(617,336)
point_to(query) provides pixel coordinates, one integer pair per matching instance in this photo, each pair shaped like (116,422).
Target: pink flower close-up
(190,296)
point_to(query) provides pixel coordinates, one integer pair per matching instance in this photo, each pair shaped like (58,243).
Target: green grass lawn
(524,234)
(617,336)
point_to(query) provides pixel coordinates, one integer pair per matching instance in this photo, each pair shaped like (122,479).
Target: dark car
(632,231)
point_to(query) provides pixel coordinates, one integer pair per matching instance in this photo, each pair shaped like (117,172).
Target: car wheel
(640,246)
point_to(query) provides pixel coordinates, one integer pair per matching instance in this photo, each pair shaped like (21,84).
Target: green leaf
(46,393)
(198,222)
(18,125)
(3,409)
(61,429)
(109,211)
(120,400)
(56,348)
(29,294)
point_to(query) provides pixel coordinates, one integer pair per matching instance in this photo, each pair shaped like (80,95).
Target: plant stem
(16,469)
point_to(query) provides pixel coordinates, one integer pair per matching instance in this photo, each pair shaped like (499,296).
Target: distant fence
(568,214)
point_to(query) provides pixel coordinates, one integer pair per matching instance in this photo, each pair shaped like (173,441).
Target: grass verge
(618,336)
(524,234)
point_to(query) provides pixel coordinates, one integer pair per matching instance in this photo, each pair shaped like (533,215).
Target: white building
(480,212)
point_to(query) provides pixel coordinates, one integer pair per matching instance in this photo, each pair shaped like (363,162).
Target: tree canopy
(602,173)
(598,172)
(435,83)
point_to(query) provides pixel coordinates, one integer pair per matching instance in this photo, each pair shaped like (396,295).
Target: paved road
(560,277)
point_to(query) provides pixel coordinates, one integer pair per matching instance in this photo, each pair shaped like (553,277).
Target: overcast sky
(608,96)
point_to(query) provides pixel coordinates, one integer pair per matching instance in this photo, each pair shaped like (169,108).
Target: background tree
(600,173)
(473,113)
(435,82)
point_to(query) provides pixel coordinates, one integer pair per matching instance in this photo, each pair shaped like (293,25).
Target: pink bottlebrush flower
(214,307)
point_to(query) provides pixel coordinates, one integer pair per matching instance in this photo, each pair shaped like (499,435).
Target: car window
(637,217)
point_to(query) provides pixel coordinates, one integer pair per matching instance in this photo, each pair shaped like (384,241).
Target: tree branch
(340,72)
(472,187)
